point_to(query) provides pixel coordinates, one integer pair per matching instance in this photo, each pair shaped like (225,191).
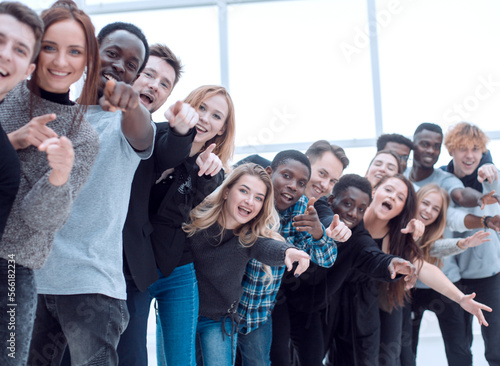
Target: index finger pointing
(311,202)
(44,119)
(209,149)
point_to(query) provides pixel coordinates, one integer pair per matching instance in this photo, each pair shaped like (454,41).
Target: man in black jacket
(154,85)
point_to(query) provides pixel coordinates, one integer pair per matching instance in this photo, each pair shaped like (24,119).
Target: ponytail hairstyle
(67,10)
(224,143)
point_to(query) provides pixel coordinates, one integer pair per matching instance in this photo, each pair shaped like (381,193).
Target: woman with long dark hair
(390,220)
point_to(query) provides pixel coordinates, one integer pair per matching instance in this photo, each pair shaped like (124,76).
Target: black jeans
(488,292)
(17,309)
(391,331)
(452,322)
(303,330)
(90,324)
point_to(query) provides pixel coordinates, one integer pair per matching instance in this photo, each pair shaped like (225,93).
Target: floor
(430,350)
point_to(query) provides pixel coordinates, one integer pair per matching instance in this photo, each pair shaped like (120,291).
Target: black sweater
(9,178)
(220,263)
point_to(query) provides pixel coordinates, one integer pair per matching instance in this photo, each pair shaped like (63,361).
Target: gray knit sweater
(40,209)
(220,264)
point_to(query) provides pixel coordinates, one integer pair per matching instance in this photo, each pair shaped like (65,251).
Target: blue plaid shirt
(259,294)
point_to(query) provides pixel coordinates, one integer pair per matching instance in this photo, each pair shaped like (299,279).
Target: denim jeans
(177,298)
(90,324)
(17,309)
(488,292)
(132,348)
(452,323)
(255,346)
(391,331)
(217,348)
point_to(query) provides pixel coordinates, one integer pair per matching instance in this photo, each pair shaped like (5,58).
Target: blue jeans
(132,348)
(90,324)
(177,298)
(255,346)
(488,292)
(217,348)
(17,309)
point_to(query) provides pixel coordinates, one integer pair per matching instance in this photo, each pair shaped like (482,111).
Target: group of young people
(283,261)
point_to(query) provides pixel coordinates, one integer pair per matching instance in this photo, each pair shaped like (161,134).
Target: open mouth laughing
(387,205)
(147,98)
(3,72)
(200,128)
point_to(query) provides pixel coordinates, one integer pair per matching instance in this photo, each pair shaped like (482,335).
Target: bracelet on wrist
(484,221)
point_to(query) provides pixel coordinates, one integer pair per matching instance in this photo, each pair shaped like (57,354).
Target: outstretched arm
(136,119)
(404,267)
(433,277)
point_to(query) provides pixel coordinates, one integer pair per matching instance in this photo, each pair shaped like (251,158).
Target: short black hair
(129,27)
(430,127)
(283,156)
(353,180)
(393,137)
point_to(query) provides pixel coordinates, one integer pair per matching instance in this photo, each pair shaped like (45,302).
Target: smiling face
(466,159)
(155,83)
(429,208)
(427,147)
(382,164)
(325,172)
(389,199)
(122,54)
(62,57)
(213,112)
(244,201)
(350,205)
(17,42)
(289,183)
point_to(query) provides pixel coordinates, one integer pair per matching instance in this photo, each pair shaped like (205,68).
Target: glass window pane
(291,77)
(439,63)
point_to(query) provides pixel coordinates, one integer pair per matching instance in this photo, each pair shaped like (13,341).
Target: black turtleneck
(59,98)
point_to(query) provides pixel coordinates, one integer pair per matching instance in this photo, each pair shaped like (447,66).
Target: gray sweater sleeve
(445,247)
(47,207)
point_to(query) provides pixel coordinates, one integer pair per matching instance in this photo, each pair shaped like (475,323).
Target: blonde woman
(232,225)
(176,192)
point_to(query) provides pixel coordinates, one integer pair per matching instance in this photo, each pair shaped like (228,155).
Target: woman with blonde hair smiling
(177,191)
(232,225)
